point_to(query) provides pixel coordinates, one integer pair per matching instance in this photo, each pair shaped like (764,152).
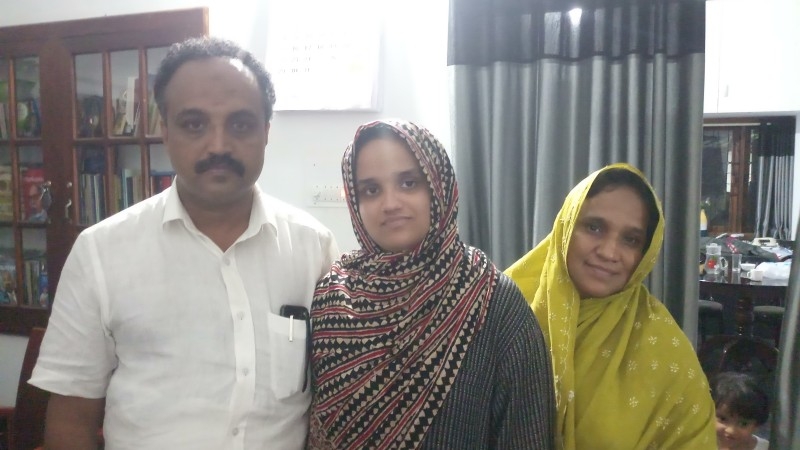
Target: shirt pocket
(287,357)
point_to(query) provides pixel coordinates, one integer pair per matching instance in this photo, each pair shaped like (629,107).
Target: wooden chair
(710,319)
(26,419)
(767,322)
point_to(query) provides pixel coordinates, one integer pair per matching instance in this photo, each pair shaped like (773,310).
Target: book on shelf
(160,180)
(6,194)
(8,278)
(153,114)
(92,185)
(126,109)
(35,278)
(132,100)
(28,118)
(129,184)
(44,294)
(31,181)
(92,198)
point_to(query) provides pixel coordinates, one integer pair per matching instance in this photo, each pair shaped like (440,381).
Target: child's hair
(742,395)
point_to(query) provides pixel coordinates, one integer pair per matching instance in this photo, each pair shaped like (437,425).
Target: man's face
(215,131)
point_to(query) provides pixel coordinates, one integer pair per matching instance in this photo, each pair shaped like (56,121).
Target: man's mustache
(219,160)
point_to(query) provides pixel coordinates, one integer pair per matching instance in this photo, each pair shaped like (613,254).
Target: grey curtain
(774,168)
(542,97)
(786,410)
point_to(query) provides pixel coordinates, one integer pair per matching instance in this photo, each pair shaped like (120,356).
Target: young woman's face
(733,431)
(607,242)
(393,195)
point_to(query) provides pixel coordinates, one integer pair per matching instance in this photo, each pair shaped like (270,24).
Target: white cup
(756,275)
(746,268)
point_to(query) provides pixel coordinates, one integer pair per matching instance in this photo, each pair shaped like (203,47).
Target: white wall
(12,350)
(304,148)
(752,65)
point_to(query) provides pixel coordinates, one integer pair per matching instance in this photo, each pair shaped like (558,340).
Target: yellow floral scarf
(626,376)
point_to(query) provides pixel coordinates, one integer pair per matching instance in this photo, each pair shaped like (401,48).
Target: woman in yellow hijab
(626,376)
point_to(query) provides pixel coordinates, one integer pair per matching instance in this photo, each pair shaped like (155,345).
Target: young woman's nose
(391,200)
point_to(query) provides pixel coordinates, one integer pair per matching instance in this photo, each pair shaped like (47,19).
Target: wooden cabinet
(79,140)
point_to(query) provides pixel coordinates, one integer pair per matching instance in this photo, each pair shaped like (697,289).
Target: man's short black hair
(204,48)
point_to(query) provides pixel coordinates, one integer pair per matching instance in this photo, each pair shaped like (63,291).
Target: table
(738,296)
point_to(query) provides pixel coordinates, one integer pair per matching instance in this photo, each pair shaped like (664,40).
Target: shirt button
(245,371)
(226,260)
(240,315)
(235,431)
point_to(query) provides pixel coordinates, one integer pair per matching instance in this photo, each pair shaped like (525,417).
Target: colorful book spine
(31,180)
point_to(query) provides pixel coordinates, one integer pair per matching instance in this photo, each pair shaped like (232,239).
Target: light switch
(328,195)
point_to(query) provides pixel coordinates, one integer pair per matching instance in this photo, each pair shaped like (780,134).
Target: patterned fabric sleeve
(524,410)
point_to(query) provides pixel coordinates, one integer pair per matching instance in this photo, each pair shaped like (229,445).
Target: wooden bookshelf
(77,122)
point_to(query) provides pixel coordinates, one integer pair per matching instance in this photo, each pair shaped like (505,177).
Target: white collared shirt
(183,340)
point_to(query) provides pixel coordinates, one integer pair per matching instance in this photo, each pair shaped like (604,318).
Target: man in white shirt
(167,321)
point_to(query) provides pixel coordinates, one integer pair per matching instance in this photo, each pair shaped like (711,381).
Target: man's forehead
(235,64)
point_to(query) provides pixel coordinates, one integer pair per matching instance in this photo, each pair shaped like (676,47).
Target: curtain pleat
(775,162)
(542,98)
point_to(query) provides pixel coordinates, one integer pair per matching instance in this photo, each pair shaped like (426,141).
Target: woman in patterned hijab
(418,340)
(626,376)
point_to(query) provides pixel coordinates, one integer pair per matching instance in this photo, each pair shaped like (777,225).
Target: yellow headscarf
(626,376)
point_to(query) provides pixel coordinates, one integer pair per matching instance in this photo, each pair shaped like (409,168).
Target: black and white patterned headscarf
(390,329)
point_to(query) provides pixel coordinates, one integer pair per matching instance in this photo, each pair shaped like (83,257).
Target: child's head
(742,406)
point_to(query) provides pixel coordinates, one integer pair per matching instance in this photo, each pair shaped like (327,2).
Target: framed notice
(325,55)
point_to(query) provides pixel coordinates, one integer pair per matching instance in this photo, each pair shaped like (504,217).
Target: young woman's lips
(395,221)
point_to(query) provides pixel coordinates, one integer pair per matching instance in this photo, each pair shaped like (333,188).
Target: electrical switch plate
(327,195)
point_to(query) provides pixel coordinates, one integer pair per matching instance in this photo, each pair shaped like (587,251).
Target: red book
(32,178)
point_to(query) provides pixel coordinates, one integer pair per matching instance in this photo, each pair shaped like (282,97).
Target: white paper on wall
(325,55)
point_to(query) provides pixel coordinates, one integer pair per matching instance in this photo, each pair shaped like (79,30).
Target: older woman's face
(607,242)
(393,195)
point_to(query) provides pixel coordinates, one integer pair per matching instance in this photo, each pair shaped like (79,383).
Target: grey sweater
(503,396)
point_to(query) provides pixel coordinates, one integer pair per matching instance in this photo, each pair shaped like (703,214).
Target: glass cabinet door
(89,95)
(28,112)
(80,139)
(114,164)
(24,189)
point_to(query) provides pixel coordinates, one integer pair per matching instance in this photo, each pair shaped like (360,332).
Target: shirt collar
(260,216)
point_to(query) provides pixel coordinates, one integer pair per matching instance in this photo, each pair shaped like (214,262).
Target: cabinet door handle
(44,202)
(68,204)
